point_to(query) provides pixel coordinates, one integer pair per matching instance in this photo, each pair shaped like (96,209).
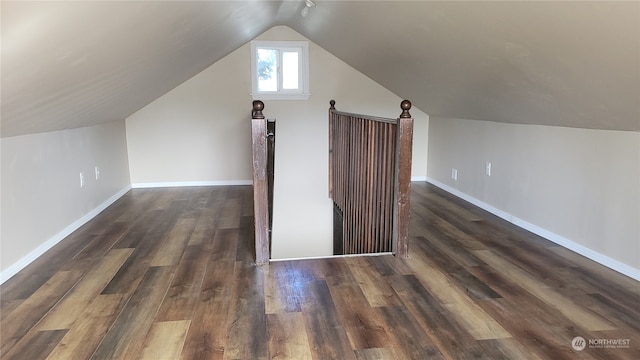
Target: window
(280,70)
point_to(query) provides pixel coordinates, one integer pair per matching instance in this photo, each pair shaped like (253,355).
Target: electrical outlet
(454,174)
(487,168)
(97,173)
(82,181)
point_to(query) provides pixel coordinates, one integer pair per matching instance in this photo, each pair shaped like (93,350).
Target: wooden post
(402,181)
(260,188)
(332,137)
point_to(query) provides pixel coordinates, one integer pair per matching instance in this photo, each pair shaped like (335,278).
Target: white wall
(200,133)
(578,187)
(42,200)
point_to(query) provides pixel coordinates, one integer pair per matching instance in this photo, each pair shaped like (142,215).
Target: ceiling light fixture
(307,5)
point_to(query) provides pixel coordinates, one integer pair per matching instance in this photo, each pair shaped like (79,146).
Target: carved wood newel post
(260,186)
(403,181)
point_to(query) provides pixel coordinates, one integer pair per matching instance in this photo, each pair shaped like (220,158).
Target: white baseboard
(562,241)
(418,178)
(190,183)
(9,272)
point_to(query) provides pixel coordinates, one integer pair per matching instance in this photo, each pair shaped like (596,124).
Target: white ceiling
(79,63)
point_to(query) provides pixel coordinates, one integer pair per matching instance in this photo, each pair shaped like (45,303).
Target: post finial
(405,105)
(333,104)
(258,106)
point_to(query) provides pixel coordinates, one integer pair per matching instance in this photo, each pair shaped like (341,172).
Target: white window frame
(302,93)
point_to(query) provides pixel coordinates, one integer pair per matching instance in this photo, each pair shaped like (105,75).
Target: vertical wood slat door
(369,181)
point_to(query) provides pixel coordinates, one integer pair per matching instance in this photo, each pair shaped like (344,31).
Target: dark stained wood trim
(260,183)
(402,184)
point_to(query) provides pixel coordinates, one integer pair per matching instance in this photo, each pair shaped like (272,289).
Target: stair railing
(370,181)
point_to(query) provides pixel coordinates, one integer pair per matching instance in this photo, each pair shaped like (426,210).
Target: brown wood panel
(247,322)
(207,334)
(245,249)
(408,337)
(136,231)
(282,289)
(402,187)
(584,318)
(474,287)
(225,244)
(358,318)
(597,283)
(102,243)
(181,297)
(7,307)
(465,279)
(89,329)
(542,329)
(446,246)
(506,349)
(376,290)
(288,337)
(453,340)
(206,225)
(125,338)
(36,345)
(88,288)
(132,204)
(328,340)
(230,218)
(35,275)
(462,307)
(600,273)
(608,307)
(376,354)
(539,329)
(33,309)
(158,227)
(260,189)
(334,271)
(385,265)
(164,340)
(165,199)
(171,250)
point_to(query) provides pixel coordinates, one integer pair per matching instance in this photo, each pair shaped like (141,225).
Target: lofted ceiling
(68,64)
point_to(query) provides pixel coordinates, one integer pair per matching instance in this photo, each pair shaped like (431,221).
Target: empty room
(320,179)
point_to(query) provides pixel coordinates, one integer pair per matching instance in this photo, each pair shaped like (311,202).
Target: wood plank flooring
(169,274)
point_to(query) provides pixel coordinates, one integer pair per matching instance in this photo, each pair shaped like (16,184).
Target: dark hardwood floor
(169,274)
